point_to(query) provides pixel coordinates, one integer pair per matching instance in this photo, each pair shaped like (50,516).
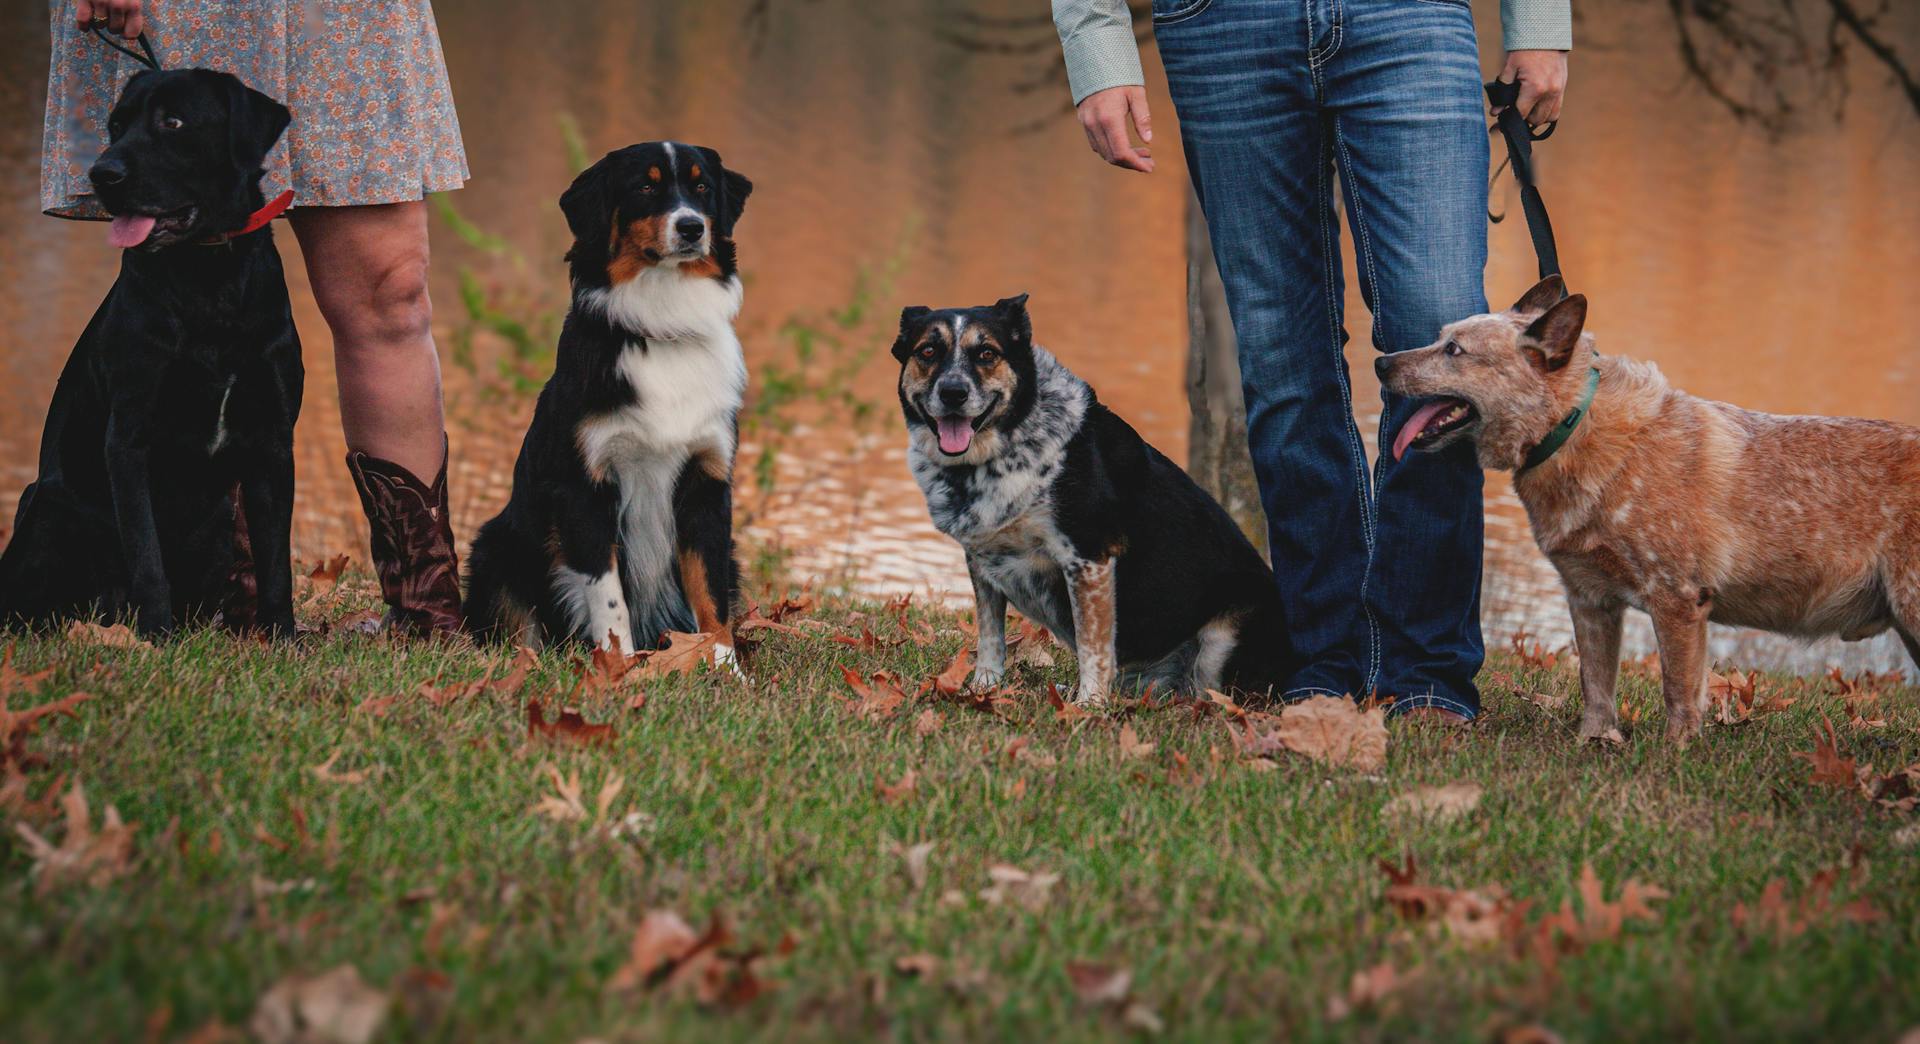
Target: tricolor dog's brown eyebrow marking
(695,171)
(653,174)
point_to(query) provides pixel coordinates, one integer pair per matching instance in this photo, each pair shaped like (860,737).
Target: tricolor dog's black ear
(734,190)
(1549,341)
(1544,295)
(1013,312)
(255,122)
(910,320)
(588,206)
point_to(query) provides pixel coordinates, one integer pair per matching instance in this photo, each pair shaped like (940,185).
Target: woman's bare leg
(368,267)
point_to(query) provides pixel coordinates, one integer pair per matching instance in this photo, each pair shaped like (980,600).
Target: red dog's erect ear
(1550,340)
(1544,295)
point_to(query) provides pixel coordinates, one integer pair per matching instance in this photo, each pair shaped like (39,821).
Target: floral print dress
(373,118)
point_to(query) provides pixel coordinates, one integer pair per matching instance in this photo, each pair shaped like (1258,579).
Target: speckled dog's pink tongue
(129,230)
(956,434)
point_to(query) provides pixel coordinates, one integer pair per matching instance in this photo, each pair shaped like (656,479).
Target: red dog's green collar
(1564,430)
(256,221)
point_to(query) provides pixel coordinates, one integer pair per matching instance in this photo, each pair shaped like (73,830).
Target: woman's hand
(115,16)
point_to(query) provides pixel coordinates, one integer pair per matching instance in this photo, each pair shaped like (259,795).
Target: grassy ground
(1242,902)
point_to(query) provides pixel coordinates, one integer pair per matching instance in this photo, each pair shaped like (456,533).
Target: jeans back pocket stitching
(1181,15)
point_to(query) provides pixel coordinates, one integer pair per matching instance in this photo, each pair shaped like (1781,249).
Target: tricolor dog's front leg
(586,579)
(990,627)
(1090,585)
(703,537)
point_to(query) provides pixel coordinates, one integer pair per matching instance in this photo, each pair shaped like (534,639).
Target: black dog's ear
(588,206)
(255,122)
(910,318)
(734,190)
(1550,340)
(1013,312)
(1545,294)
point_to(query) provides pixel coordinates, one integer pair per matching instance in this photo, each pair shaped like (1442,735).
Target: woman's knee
(369,272)
(397,305)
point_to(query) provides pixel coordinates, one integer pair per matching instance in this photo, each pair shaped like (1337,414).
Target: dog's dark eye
(986,356)
(701,188)
(646,190)
(929,352)
(1453,348)
(171,122)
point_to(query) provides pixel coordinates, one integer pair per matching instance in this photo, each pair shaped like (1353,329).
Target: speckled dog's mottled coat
(1687,509)
(1067,513)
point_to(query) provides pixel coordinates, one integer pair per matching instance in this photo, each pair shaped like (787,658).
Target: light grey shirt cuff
(1101,51)
(1536,25)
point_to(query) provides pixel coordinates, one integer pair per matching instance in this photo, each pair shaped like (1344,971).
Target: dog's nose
(1381,365)
(690,228)
(107,173)
(953,396)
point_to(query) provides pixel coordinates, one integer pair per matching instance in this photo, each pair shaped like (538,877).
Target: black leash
(1512,125)
(146,59)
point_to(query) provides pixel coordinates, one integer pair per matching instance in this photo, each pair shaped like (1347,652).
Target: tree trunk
(1217,434)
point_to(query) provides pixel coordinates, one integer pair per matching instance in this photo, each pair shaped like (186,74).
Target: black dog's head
(965,372)
(184,158)
(652,204)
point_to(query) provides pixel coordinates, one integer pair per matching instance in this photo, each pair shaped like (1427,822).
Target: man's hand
(1106,115)
(1543,81)
(115,16)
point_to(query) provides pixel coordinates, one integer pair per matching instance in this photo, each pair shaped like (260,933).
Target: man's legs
(1244,81)
(1411,144)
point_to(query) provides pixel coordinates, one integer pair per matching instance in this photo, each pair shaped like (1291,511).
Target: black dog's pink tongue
(956,433)
(129,230)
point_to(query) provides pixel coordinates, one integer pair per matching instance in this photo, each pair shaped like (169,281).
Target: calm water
(1777,274)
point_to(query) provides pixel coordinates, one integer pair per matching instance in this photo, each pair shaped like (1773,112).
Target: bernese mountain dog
(620,524)
(1066,512)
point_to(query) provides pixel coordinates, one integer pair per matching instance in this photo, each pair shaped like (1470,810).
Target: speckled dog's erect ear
(910,318)
(1013,311)
(1544,295)
(1550,339)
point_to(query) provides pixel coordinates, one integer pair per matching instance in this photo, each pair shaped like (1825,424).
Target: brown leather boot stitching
(412,544)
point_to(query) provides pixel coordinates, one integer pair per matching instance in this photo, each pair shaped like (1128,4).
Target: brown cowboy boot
(412,544)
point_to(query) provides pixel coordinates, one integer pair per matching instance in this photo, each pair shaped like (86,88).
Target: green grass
(1242,901)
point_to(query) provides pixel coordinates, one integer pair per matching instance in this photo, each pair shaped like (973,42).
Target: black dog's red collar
(255,222)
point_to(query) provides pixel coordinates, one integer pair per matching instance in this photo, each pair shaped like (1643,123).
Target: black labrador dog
(166,466)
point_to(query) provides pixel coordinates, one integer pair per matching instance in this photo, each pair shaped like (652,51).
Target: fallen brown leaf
(928,722)
(876,700)
(1829,768)
(324,772)
(84,855)
(569,727)
(13,680)
(891,792)
(1367,987)
(118,636)
(1131,745)
(333,1007)
(953,679)
(1011,885)
(16,727)
(1099,984)
(1328,729)
(1442,804)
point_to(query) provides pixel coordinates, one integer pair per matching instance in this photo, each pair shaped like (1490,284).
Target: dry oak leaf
(891,792)
(1011,885)
(1602,920)
(118,636)
(914,859)
(333,1007)
(1032,646)
(1829,768)
(876,700)
(928,722)
(17,726)
(325,576)
(664,952)
(1442,804)
(662,939)
(377,706)
(1099,984)
(1478,916)
(865,641)
(566,804)
(569,727)
(13,680)
(1328,729)
(1131,746)
(324,771)
(1367,987)
(1785,919)
(1065,710)
(684,653)
(84,854)
(953,679)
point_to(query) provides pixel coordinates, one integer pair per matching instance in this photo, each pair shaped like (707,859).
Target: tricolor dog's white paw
(724,656)
(987,678)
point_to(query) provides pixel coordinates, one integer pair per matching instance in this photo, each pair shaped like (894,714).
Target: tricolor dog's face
(656,204)
(184,156)
(1501,379)
(965,374)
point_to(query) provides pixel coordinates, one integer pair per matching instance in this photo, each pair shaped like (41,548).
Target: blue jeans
(1380,577)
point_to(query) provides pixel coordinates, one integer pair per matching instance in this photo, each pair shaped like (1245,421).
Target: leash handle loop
(1512,125)
(147,59)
